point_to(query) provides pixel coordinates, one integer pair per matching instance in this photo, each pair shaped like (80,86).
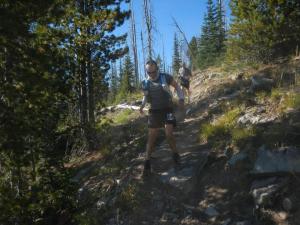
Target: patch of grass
(128,199)
(209,131)
(221,128)
(261,96)
(240,136)
(289,100)
(293,100)
(276,94)
(123,117)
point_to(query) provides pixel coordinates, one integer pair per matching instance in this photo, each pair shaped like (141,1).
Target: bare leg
(170,137)
(152,135)
(172,142)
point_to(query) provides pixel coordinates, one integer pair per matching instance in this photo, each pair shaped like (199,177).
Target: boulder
(287,204)
(256,116)
(277,161)
(265,191)
(238,158)
(211,211)
(261,83)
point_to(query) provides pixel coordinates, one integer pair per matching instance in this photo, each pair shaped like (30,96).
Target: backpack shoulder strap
(162,79)
(145,85)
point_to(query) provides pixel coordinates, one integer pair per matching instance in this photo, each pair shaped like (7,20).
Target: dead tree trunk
(134,45)
(144,55)
(148,18)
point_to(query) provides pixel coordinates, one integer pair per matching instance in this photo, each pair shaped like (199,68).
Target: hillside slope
(239,147)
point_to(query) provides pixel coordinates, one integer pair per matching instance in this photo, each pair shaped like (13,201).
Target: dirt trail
(206,189)
(202,191)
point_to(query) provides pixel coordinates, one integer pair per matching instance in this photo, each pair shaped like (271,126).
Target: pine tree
(193,52)
(94,47)
(221,32)
(176,60)
(208,40)
(263,30)
(34,88)
(114,81)
(127,79)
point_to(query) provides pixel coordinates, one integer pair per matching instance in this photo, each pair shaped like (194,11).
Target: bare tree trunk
(83,95)
(148,18)
(90,80)
(185,39)
(134,45)
(143,50)
(164,56)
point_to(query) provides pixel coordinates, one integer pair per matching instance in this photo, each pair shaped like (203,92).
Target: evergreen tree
(94,47)
(34,88)
(114,81)
(263,30)
(221,32)
(193,52)
(176,60)
(209,38)
(127,79)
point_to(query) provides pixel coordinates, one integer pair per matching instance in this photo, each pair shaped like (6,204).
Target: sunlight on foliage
(128,198)
(221,127)
(123,117)
(240,135)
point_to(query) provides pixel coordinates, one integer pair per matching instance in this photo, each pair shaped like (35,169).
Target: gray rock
(228,152)
(100,204)
(263,182)
(185,177)
(226,222)
(211,211)
(264,191)
(168,217)
(239,157)
(277,161)
(230,96)
(243,223)
(213,75)
(259,82)
(188,111)
(256,116)
(287,204)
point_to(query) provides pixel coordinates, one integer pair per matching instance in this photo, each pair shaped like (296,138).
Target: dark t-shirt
(158,94)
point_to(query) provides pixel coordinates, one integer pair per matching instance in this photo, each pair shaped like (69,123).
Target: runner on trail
(161,114)
(184,77)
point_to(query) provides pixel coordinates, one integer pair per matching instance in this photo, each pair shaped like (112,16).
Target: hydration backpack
(162,81)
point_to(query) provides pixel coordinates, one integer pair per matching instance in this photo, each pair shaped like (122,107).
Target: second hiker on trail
(184,77)
(161,112)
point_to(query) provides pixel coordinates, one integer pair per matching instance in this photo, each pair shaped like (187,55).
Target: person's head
(152,69)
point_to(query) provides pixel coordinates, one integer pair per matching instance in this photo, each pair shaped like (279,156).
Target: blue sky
(189,15)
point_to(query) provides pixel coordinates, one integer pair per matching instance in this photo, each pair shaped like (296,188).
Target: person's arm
(179,92)
(144,101)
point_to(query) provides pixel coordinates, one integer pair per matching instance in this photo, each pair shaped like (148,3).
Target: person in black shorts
(161,115)
(184,79)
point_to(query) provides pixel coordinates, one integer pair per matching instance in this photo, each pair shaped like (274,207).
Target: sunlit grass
(240,135)
(123,116)
(221,127)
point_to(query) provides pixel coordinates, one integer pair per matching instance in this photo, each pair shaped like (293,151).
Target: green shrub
(221,128)
(123,116)
(241,135)
(276,94)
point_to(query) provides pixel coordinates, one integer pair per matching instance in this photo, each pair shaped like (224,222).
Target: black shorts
(184,82)
(159,118)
